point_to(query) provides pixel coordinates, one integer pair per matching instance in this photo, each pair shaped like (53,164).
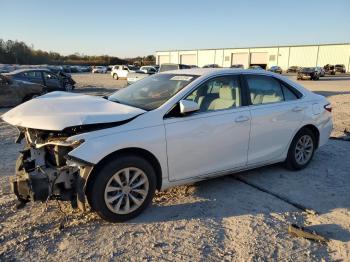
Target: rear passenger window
(288,94)
(264,89)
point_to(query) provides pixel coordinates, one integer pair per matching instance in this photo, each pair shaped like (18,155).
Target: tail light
(328,107)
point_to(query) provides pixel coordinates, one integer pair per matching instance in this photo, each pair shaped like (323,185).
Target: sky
(131,28)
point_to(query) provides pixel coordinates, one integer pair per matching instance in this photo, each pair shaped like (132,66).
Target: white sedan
(99,69)
(168,129)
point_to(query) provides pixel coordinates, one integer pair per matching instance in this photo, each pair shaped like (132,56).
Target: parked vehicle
(169,67)
(136,76)
(293,69)
(275,69)
(308,73)
(237,66)
(148,69)
(169,129)
(340,68)
(59,71)
(50,80)
(329,69)
(99,70)
(256,67)
(212,66)
(14,92)
(320,71)
(121,71)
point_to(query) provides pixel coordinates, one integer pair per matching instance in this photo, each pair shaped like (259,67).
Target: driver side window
(49,76)
(219,93)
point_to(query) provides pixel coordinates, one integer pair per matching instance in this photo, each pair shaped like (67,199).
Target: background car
(320,71)
(293,69)
(340,68)
(99,69)
(237,66)
(169,67)
(255,67)
(148,69)
(136,76)
(308,73)
(122,71)
(275,69)
(329,69)
(212,66)
(44,77)
(14,92)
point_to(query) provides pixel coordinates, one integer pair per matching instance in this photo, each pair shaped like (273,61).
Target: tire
(115,76)
(293,162)
(109,195)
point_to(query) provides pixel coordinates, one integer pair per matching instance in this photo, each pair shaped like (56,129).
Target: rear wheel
(301,150)
(123,188)
(115,76)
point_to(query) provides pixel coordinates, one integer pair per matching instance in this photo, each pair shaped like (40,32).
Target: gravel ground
(229,218)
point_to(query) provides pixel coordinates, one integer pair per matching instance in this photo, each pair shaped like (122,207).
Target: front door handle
(241,119)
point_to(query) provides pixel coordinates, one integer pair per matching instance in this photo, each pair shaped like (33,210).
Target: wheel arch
(126,151)
(314,130)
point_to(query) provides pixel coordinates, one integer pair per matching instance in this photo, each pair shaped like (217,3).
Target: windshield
(153,91)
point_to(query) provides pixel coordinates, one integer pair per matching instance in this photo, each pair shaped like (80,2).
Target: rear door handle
(241,119)
(298,109)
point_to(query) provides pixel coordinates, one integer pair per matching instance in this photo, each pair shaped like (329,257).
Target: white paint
(188,148)
(58,110)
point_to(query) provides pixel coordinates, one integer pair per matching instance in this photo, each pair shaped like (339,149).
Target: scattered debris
(303,232)
(346,136)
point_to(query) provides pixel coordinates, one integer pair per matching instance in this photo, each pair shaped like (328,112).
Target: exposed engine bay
(42,169)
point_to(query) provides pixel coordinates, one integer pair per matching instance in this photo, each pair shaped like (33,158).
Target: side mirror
(187,106)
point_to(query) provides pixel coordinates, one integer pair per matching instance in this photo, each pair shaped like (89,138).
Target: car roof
(27,70)
(215,71)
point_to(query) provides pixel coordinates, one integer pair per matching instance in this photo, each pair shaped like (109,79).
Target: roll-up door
(258,58)
(240,59)
(188,59)
(163,59)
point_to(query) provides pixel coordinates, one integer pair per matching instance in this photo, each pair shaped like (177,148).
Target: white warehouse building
(283,56)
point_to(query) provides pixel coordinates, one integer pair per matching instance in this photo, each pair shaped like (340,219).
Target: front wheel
(123,188)
(301,150)
(115,76)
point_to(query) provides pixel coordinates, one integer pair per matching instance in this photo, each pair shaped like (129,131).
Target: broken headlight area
(42,172)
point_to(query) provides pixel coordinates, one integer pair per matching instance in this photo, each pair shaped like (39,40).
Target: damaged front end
(43,171)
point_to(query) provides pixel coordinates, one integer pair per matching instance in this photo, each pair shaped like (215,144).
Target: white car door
(276,113)
(213,139)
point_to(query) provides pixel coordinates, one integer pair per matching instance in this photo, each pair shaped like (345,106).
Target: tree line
(16,52)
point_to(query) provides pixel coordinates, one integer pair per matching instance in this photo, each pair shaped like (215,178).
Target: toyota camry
(172,128)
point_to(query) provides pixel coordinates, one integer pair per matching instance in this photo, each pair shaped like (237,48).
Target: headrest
(226,92)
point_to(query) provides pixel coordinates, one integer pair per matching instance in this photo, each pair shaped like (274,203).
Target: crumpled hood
(58,110)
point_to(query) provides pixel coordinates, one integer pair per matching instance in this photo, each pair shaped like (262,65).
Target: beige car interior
(217,95)
(264,91)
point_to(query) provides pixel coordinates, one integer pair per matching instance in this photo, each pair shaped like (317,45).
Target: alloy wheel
(304,149)
(126,190)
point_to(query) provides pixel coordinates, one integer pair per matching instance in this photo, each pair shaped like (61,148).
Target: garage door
(188,59)
(258,58)
(163,59)
(240,59)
